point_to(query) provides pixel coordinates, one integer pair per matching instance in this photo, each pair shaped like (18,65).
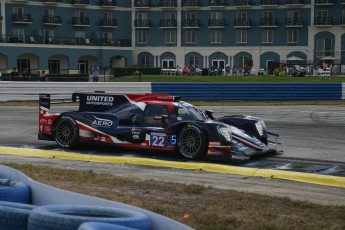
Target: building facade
(72,35)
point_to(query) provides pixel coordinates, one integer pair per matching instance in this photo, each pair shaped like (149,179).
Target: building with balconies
(72,35)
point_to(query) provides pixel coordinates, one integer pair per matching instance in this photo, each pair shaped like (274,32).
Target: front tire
(192,142)
(66,132)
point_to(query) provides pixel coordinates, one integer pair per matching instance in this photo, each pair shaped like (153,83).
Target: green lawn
(159,78)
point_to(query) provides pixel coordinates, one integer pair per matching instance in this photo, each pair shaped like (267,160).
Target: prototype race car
(154,122)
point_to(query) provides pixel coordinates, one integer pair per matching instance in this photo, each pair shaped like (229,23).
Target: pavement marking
(327,180)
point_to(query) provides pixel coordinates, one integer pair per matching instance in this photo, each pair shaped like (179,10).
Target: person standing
(42,76)
(95,73)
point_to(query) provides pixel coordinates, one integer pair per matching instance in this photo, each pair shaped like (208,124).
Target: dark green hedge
(51,77)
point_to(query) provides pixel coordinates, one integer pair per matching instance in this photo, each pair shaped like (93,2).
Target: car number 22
(160,140)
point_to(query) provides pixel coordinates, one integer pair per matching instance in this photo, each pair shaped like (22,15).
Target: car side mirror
(209,114)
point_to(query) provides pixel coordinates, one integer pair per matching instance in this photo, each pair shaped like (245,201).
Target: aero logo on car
(100,122)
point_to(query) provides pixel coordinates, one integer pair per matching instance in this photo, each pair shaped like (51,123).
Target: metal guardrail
(203,91)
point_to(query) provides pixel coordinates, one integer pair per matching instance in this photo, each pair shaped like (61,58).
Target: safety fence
(19,91)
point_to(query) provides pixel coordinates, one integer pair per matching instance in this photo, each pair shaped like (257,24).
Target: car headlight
(225,132)
(261,127)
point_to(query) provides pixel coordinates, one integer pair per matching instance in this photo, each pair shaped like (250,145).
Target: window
(170,15)
(216,15)
(83,66)
(324,47)
(145,61)
(23,64)
(218,63)
(168,63)
(242,15)
(322,13)
(194,61)
(54,66)
(190,37)
(268,14)
(242,61)
(107,16)
(141,16)
(18,32)
(48,12)
(241,36)
(141,37)
(170,37)
(216,36)
(292,36)
(49,36)
(192,16)
(293,14)
(151,114)
(107,38)
(267,36)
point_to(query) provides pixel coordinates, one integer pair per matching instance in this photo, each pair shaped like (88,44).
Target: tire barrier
(103,226)
(14,216)
(14,191)
(70,217)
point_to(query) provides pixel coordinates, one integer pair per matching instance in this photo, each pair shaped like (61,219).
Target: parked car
(154,122)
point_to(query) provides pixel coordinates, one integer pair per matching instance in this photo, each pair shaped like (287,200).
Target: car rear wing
(45,100)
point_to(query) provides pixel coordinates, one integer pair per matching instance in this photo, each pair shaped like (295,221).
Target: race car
(151,121)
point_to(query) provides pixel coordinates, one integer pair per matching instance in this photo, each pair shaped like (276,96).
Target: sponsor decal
(102,123)
(212,144)
(215,152)
(99,100)
(43,120)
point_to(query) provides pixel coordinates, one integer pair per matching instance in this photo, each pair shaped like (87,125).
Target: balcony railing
(142,3)
(53,20)
(168,23)
(57,40)
(268,22)
(243,3)
(168,3)
(80,21)
(294,22)
(21,18)
(80,2)
(108,3)
(216,3)
(242,22)
(142,23)
(191,23)
(323,21)
(191,3)
(324,2)
(269,3)
(293,3)
(104,22)
(216,23)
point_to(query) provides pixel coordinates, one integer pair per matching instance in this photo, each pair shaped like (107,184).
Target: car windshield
(189,112)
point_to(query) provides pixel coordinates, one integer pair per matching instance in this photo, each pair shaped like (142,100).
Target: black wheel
(192,142)
(66,132)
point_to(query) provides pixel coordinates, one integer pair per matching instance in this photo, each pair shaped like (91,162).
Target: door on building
(83,66)
(168,63)
(218,63)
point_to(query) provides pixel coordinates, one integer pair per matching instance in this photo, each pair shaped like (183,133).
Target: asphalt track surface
(308,134)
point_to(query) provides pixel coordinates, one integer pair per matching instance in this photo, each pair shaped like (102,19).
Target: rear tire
(66,132)
(192,142)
